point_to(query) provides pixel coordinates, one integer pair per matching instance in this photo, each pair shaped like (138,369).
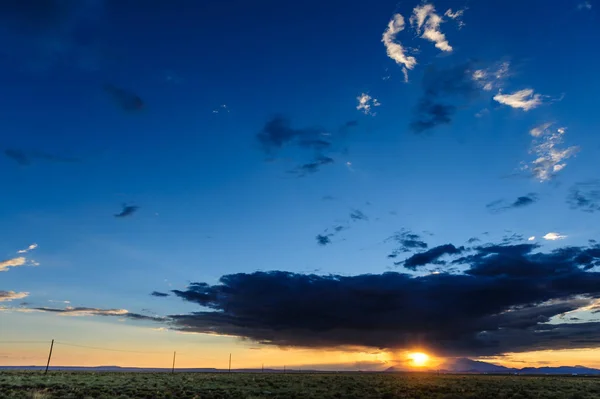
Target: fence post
(173,368)
(230,362)
(49,356)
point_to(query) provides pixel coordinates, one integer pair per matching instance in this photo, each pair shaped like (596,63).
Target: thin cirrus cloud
(29,248)
(492,77)
(503,205)
(552,236)
(366,104)
(394,49)
(427,23)
(585,196)
(550,157)
(6,296)
(524,99)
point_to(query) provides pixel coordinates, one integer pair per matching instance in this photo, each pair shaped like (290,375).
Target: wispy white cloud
(71,311)
(457,16)
(395,50)
(366,103)
(14,262)
(427,21)
(405,73)
(531,238)
(29,248)
(552,236)
(12,295)
(492,77)
(524,99)
(585,5)
(550,159)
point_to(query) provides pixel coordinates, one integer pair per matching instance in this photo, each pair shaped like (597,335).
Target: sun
(419,359)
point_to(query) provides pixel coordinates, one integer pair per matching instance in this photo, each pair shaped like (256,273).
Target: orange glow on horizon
(419,359)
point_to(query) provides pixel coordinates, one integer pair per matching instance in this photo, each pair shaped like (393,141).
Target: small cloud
(531,238)
(408,242)
(549,158)
(18,156)
(323,240)
(554,236)
(159,294)
(82,311)
(492,77)
(457,16)
(586,5)
(357,214)
(6,296)
(128,210)
(124,99)
(473,240)
(365,104)
(585,196)
(312,167)
(524,99)
(520,202)
(395,50)
(29,248)
(425,16)
(14,262)
(221,109)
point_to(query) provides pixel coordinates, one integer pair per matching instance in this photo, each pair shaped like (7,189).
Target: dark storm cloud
(26,158)
(440,87)
(499,304)
(128,210)
(159,294)
(408,241)
(585,196)
(357,214)
(431,256)
(502,205)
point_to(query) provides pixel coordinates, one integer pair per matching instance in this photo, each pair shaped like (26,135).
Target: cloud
(357,214)
(124,99)
(585,196)
(439,87)
(312,167)
(26,158)
(550,159)
(128,210)
(159,294)
(14,262)
(323,240)
(585,5)
(408,240)
(394,49)
(431,256)
(522,201)
(425,16)
(457,16)
(492,77)
(29,248)
(85,311)
(517,290)
(554,236)
(12,295)
(366,103)
(524,99)
(531,238)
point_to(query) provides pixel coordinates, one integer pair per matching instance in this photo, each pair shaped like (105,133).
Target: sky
(333,184)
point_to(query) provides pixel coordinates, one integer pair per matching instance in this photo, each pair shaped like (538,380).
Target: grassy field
(87,385)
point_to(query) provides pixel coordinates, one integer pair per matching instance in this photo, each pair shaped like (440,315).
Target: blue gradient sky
(210,203)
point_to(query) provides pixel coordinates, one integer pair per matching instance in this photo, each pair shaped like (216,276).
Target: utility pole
(230,362)
(49,356)
(173,369)
(263,368)
(284,368)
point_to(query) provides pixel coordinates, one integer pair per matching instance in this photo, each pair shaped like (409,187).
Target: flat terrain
(87,385)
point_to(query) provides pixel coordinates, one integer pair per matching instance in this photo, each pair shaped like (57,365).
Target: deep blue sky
(212,202)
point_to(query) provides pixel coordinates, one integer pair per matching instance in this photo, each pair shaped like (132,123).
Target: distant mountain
(465,365)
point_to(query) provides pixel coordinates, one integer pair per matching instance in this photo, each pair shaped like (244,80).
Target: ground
(88,385)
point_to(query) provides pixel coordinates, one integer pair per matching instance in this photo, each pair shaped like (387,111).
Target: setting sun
(418,359)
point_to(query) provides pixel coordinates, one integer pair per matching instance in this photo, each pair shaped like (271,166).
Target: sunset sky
(323,184)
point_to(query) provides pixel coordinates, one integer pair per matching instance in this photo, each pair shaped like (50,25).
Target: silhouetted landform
(456,366)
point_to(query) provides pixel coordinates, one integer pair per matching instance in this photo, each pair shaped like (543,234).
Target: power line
(105,349)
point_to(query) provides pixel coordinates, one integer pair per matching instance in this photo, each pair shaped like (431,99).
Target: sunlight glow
(419,359)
